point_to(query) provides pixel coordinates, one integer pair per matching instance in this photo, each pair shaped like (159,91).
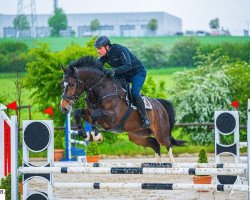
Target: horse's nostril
(64,110)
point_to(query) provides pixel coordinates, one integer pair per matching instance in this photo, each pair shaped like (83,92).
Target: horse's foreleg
(78,113)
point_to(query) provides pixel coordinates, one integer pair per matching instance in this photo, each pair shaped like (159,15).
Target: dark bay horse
(107,105)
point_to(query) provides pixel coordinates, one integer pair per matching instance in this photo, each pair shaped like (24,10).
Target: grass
(59,43)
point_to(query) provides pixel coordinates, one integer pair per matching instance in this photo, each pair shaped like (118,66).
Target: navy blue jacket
(126,64)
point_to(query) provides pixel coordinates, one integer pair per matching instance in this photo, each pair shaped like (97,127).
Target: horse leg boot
(145,122)
(78,113)
(96,135)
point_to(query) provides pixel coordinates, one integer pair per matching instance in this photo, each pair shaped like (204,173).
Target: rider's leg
(142,112)
(137,83)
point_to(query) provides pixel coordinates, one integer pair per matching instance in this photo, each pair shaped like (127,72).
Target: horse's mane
(89,61)
(85,62)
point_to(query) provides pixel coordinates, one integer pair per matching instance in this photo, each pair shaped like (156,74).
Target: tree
(183,52)
(57,22)
(44,74)
(94,25)
(214,23)
(20,23)
(152,25)
(212,85)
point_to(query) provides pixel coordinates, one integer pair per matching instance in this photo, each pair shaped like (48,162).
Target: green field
(57,44)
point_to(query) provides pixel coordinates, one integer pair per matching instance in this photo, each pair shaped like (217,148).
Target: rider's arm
(125,60)
(101,60)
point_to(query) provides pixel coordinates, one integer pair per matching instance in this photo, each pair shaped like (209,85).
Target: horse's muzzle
(64,110)
(65,106)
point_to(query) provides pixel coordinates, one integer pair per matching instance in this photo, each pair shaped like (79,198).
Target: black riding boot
(145,122)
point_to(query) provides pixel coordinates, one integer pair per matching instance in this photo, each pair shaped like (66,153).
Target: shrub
(202,156)
(183,52)
(136,46)
(6,184)
(239,75)
(59,140)
(44,74)
(110,138)
(152,56)
(236,51)
(92,149)
(198,93)
(13,47)
(13,56)
(154,90)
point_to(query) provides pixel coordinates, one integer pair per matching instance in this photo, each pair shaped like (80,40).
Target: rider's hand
(110,72)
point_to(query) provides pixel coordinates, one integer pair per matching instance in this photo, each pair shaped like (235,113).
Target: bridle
(73,99)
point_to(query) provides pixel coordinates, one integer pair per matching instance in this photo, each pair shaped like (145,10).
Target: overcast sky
(195,14)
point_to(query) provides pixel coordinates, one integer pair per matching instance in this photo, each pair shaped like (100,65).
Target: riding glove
(110,72)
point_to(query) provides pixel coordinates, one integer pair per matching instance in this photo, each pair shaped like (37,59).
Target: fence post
(248,147)
(14,158)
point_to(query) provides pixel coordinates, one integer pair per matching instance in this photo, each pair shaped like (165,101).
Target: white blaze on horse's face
(68,96)
(65,84)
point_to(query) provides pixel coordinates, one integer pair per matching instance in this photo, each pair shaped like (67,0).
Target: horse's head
(72,86)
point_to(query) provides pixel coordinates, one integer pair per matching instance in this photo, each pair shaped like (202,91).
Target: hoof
(87,136)
(98,137)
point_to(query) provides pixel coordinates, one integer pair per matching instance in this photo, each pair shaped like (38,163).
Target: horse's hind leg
(146,141)
(170,154)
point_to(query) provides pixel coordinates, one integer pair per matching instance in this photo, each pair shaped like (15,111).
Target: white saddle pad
(147,103)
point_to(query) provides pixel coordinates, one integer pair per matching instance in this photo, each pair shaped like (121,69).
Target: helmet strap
(107,49)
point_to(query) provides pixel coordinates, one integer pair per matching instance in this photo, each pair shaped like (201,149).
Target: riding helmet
(102,41)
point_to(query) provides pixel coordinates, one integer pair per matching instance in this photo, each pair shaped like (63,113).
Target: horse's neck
(90,78)
(100,86)
(94,82)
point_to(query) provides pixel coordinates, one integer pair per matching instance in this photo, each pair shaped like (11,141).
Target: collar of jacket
(110,50)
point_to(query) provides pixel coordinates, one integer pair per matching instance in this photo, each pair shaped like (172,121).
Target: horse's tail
(171,113)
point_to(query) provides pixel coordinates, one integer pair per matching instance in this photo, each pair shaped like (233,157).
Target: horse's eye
(72,84)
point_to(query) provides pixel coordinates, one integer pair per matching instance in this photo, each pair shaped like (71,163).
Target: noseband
(72,99)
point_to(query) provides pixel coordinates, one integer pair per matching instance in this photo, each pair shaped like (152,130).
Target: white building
(111,24)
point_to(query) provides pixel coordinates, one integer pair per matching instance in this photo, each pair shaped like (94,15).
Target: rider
(124,65)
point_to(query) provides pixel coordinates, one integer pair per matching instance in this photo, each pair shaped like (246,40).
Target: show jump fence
(39,136)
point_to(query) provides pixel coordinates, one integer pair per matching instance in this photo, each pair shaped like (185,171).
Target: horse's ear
(63,68)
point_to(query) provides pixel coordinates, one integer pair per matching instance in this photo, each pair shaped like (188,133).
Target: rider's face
(102,51)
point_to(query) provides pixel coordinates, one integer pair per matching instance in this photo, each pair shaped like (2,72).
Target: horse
(109,108)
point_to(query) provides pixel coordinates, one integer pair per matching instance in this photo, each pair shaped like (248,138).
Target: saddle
(128,90)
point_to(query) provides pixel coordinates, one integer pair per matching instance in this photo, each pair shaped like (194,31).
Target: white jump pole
(138,170)
(152,186)
(153,165)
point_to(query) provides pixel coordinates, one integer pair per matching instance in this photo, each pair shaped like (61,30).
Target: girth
(120,126)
